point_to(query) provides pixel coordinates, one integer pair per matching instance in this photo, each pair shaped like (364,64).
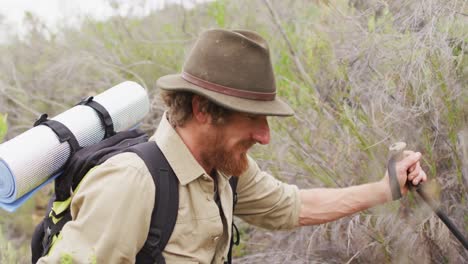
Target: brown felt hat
(232,69)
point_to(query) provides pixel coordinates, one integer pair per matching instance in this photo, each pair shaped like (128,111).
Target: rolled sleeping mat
(35,157)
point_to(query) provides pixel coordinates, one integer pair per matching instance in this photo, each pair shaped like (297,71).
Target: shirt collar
(182,162)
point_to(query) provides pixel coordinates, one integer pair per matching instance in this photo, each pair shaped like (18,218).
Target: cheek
(232,145)
(234,138)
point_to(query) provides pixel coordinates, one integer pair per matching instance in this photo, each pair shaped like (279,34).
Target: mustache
(247,143)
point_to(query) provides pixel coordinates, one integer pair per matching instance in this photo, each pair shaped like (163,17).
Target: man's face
(232,140)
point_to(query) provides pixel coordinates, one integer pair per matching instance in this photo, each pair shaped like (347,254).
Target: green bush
(3,126)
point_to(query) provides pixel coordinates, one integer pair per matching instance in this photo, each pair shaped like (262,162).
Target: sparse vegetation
(360,75)
(3,126)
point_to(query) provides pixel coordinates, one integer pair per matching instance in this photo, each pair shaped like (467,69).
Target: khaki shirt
(111,210)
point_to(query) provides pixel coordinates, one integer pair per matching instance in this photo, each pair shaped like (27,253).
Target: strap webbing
(62,132)
(102,113)
(166,207)
(53,229)
(234,241)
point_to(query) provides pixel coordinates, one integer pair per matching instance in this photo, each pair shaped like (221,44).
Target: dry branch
(305,76)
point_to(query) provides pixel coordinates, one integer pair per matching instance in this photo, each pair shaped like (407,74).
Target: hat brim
(276,107)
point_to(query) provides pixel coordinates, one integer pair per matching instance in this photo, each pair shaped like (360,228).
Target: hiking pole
(396,154)
(451,226)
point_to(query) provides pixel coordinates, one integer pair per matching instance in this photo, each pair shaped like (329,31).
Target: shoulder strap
(166,206)
(233,182)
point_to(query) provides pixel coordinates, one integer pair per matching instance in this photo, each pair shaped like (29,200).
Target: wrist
(385,190)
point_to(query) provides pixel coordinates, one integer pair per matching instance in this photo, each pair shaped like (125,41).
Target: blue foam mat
(11,207)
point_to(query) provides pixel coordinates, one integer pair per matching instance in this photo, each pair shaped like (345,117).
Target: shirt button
(215,239)
(206,177)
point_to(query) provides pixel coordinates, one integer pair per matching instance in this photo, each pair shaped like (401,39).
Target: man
(218,108)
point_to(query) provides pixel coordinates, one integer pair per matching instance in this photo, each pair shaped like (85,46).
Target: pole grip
(396,154)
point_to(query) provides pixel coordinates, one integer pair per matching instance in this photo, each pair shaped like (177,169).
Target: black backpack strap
(234,241)
(164,214)
(233,182)
(102,113)
(44,232)
(52,229)
(62,132)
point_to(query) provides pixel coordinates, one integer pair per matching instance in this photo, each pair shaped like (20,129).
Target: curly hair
(180,108)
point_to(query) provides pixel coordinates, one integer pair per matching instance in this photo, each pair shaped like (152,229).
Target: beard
(231,162)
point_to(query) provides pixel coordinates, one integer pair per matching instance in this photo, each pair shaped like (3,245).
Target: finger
(422,177)
(415,172)
(409,161)
(408,152)
(412,168)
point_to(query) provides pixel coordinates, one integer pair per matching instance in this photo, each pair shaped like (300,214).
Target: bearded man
(217,110)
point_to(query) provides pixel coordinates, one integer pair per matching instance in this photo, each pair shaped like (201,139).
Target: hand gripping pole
(396,154)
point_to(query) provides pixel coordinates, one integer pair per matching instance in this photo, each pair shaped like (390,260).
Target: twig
(24,106)
(39,98)
(297,61)
(375,144)
(359,252)
(124,69)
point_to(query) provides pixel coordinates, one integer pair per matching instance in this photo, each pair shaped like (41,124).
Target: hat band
(228,90)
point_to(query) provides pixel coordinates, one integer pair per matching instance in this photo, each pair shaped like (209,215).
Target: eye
(252,117)
(255,118)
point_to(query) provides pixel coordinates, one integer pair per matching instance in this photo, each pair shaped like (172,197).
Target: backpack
(164,215)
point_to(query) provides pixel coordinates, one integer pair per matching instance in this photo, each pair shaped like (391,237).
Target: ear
(199,115)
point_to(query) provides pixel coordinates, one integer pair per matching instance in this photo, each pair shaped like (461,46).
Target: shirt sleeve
(265,201)
(111,214)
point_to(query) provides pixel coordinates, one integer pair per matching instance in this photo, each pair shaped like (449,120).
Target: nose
(261,133)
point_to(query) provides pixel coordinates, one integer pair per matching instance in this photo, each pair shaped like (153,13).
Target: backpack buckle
(41,119)
(86,100)
(47,236)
